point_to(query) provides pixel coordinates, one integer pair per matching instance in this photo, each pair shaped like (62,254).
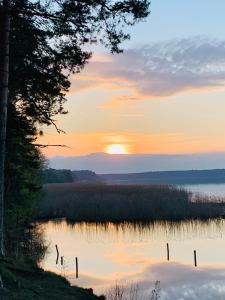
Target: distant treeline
(163,177)
(108,203)
(64,175)
(56,176)
(85,176)
(167,177)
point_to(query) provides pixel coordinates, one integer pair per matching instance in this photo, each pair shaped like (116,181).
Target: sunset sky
(165,94)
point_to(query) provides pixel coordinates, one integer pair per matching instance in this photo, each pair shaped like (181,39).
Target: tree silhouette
(52,36)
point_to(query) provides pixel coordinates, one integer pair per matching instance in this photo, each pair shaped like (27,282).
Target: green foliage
(48,42)
(23,180)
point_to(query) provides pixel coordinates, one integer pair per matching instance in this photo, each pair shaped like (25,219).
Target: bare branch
(47,145)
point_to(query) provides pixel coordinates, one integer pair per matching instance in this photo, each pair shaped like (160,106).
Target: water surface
(137,254)
(215,190)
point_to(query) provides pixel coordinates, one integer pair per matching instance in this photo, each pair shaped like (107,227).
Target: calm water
(217,190)
(129,254)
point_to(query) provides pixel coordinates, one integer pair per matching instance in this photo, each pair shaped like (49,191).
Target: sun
(117,149)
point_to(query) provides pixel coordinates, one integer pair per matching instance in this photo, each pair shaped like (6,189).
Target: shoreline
(25,280)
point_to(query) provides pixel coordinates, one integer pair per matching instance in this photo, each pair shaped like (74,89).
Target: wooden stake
(57,253)
(76,267)
(168,251)
(195,258)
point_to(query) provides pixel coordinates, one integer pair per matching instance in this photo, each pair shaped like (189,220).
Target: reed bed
(123,203)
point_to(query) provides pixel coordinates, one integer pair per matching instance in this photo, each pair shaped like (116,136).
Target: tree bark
(4,79)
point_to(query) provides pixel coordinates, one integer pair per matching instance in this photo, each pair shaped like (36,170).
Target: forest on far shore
(160,177)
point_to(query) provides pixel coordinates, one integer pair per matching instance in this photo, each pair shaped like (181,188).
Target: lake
(217,190)
(137,255)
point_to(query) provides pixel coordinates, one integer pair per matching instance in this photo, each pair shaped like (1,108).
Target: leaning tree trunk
(4,78)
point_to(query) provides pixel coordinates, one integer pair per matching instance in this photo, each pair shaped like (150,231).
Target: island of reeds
(124,203)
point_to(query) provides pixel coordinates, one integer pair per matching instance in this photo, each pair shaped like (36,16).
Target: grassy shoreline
(115,203)
(25,281)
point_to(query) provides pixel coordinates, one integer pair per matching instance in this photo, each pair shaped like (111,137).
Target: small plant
(124,292)
(116,293)
(156,291)
(63,267)
(131,292)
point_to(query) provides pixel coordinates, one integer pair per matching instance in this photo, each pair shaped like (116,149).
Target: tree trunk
(4,78)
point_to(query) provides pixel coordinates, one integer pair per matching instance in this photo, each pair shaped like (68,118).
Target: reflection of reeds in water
(140,232)
(103,203)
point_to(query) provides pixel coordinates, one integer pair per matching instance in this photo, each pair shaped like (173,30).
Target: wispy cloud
(158,70)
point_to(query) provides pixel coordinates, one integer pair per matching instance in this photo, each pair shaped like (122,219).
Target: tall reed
(115,203)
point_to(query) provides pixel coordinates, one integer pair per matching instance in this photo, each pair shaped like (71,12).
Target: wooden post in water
(57,253)
(168,251)
(76,267)
(61,260)
(195,258)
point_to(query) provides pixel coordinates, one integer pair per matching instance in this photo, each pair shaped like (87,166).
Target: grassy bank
(24,281)
(107,203)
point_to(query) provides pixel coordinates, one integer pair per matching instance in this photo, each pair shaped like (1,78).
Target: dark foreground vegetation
(107,203)
(25,281)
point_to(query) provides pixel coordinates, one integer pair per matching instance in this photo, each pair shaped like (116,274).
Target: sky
(164,95)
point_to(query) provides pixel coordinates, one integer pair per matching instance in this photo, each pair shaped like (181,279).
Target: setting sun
(117,149)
